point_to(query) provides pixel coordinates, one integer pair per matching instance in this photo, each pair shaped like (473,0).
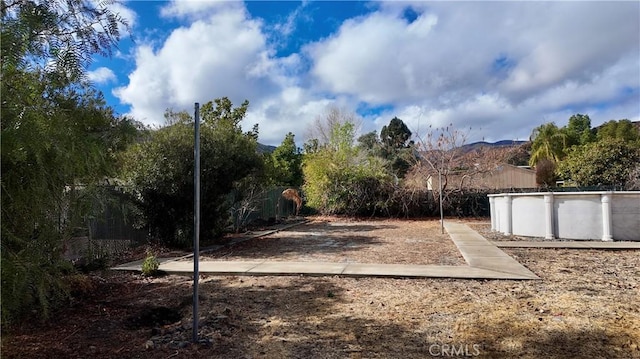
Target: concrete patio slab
(137,265)
(480,253)
(471,251)
(306,268)
(366,269)
(330,268)
(485,259)
(613,245)
(471,241)
(568,244)
(228,267)
(506,265)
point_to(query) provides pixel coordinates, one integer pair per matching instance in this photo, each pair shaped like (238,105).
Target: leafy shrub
(606,162)
(33,280)
(150,265)
(160,172)
(341,178)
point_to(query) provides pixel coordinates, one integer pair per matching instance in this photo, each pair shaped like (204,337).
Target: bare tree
(439,152)
(437,155)
(442,152)
(323,125)
(443,157)
(476,165)
(242,209)
(545,173)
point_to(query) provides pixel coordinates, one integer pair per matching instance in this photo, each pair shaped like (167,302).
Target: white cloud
(500,68)
(101,75)
(562,49)
(374,58)
(197,9)
(223,55)
(483,116)
(452,50)
(291,110)
(287,27)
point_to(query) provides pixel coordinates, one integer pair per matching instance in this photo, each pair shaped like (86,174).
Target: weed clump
(150,264)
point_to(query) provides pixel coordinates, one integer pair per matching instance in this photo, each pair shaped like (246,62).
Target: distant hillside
(502,143)
(265,148)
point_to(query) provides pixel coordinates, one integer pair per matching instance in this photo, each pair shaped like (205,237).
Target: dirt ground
(585,306)
(484,228)
(326,239)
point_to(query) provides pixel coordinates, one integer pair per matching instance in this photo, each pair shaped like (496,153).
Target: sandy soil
(585,306)
(327,239)
(484,228)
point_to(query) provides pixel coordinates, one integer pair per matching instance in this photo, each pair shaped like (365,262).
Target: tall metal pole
(440,180)
(196,219)
(441,213)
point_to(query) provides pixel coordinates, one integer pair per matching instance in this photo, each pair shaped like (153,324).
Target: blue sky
(499,68)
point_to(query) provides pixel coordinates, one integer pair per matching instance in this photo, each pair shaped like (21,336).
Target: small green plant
(150,264)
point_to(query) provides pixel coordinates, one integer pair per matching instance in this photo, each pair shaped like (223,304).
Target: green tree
(160,171)
(311,146)
(321,129)
(396,147)
(286,163)
(396,135)
(622,130)
(579,130)
(340,178)
(220,112)
(370,142)
(58,140)
(605,162)
(55,141)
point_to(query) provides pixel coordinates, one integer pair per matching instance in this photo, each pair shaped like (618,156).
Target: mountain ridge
(501,143)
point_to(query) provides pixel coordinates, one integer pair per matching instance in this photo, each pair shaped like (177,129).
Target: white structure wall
(625,215)
(534,207)
(577,216)
(569,215)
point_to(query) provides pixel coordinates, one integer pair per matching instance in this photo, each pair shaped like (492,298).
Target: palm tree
(548,142)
